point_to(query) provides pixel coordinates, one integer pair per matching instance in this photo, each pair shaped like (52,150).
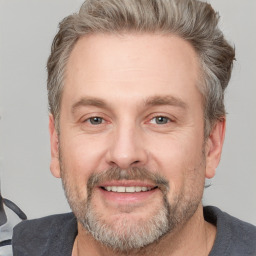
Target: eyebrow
(151,101)
(88,102)
(165,100)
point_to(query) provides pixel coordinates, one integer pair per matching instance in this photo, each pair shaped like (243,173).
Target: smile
(127,192)
(123,189)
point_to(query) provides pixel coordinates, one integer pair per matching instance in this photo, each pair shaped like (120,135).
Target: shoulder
(234,236)
(48,221)
(44,235)
(43,226)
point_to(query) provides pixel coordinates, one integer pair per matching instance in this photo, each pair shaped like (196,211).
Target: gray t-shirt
(55,235)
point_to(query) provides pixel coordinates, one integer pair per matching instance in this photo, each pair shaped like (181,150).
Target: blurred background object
(10,215)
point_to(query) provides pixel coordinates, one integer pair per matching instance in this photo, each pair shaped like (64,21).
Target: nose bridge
(126,149)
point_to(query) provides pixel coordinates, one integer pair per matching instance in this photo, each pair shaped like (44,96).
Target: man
(137,122)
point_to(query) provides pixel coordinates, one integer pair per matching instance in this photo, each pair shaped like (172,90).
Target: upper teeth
(121,189)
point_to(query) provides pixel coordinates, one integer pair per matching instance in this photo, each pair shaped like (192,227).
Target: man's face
(131,148)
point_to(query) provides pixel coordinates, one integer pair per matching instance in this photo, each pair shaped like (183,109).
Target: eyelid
(168,118)
(155,115)
(88,116)
(92,117)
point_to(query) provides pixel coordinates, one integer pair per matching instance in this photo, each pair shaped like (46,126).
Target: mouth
(127,192)
(126,189)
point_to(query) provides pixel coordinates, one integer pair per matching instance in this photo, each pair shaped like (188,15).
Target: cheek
(179,159)
(80,158)
(83,155)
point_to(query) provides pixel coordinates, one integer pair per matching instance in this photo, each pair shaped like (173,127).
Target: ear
(214,146)
(54,140)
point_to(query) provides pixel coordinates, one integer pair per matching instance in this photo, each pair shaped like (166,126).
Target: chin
(127,231)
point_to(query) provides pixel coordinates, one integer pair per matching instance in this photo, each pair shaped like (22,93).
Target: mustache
(133,173)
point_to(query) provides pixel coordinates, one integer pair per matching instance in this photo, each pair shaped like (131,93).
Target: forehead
(132,66)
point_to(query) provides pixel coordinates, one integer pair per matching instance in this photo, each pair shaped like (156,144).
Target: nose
(126,148)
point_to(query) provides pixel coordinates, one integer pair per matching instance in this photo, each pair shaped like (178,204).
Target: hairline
(158,32)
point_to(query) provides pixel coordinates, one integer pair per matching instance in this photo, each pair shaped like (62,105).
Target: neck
(196,237)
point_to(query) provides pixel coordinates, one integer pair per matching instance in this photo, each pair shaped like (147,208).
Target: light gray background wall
(27,28)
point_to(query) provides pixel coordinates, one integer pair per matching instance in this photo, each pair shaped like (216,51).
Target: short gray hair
(194,21)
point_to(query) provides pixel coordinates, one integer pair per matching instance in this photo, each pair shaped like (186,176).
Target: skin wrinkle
(110,175)
(106,62)
(134,173)
(198,26)
(129,145)
(140,174)
(157,100)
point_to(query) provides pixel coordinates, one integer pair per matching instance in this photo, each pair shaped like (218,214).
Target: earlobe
(54,165)
(214,147)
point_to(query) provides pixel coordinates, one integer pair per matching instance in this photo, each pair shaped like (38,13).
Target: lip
(127,198)
(128,183)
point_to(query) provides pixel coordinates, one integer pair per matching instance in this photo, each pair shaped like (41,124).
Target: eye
(160,120)
(95,120)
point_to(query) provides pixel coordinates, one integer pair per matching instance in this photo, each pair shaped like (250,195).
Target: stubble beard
(124,235)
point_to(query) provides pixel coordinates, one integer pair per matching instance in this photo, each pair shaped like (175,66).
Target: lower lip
(124,198)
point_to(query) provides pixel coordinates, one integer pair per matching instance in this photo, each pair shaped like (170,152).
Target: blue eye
(161,120)
(95,120)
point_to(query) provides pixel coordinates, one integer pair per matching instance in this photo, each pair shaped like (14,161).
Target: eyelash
(156,118)
(93,118)
(167,119)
